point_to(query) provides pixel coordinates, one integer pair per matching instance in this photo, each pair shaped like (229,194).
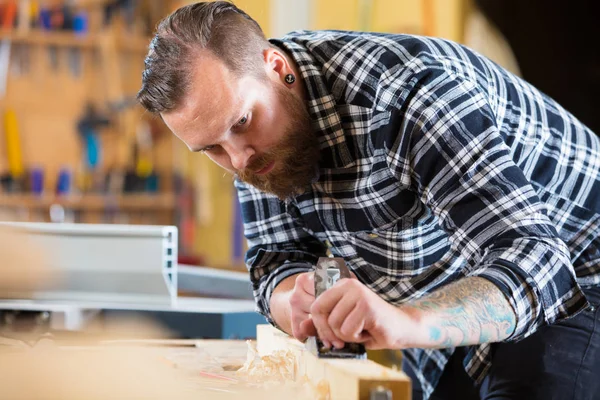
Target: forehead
(211,100)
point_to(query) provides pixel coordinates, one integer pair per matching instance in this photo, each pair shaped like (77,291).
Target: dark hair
(219,27)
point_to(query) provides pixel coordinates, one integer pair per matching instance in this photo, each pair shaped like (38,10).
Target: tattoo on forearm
(470,311)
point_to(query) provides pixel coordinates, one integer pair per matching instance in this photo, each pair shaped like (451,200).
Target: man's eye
(207,148)
(243,120)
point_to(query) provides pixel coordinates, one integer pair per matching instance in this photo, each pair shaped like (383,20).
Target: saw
(327,272)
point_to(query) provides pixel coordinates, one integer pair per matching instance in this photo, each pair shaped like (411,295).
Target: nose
(240,156)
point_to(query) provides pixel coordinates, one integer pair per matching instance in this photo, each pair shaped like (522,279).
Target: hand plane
(327,272)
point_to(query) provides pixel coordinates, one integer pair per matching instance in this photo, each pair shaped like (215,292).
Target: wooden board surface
(347,379)
(130,369)
(182,369)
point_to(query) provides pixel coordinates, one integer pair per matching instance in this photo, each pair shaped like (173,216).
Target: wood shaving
(278,367)
(320,391)
(279,370)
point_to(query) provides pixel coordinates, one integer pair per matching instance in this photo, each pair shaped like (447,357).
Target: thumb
(310,284)
(307,282)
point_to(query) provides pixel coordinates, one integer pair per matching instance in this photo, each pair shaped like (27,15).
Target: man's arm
(470,311)
(453,154)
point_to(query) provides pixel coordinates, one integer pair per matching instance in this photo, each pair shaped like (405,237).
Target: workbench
(153,369)
(79,367)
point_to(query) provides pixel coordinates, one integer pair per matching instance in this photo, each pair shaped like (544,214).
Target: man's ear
(276,65)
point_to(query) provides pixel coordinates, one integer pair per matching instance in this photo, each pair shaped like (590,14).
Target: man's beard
(296,157)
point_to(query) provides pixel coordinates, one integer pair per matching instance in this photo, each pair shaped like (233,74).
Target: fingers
(330,310)
(324,331)
(351,328)
(335,316)
(338,316)
(301,300)
(308,327)
(298,319)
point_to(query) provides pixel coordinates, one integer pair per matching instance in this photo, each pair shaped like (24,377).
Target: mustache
(256,164)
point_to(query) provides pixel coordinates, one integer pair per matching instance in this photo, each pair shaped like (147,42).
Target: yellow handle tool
(13,145)
(143,166)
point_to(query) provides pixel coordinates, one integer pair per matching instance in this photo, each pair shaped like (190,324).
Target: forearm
(281,309)
(470,311)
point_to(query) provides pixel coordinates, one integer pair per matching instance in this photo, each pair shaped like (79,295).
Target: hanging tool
(80,28)
(64,182)
(4,65)
(21,57)
(144,144)
(124,8)
(24,16)
(327,272)
(114,94)
(36,181)
(55,17)
(9,14)
(13,148)
(88,127)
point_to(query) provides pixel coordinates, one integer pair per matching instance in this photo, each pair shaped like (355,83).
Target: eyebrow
(201,149)
(195,149)
(233,120)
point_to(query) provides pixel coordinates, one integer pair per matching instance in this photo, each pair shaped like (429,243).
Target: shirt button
(373,236)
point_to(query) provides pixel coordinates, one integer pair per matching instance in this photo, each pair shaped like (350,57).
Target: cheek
(271,126)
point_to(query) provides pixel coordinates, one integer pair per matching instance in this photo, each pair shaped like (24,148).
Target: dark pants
(560,362)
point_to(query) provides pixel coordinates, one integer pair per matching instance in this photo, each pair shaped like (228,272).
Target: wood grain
(347,379)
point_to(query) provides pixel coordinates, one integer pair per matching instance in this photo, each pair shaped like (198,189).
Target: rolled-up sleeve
(277,246)
(452,153)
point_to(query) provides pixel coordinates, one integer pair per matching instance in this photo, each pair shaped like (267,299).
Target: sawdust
(278,371)
(320,391)
(277,367)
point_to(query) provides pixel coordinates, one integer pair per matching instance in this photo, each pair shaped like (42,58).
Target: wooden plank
(347,379)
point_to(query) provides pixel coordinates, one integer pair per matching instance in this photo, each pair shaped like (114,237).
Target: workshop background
(76,147)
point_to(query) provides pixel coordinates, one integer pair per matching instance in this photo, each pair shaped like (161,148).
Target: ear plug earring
(290,78)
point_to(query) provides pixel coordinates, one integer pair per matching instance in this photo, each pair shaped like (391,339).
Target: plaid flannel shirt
(436,165)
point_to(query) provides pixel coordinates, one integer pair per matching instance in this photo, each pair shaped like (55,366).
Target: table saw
(121,270)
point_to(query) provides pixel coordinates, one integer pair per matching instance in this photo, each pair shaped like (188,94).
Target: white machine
(124,267)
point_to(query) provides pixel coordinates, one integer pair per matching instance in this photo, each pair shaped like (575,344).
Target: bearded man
(465,201)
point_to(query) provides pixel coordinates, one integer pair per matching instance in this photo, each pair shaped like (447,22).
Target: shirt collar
(322,106)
